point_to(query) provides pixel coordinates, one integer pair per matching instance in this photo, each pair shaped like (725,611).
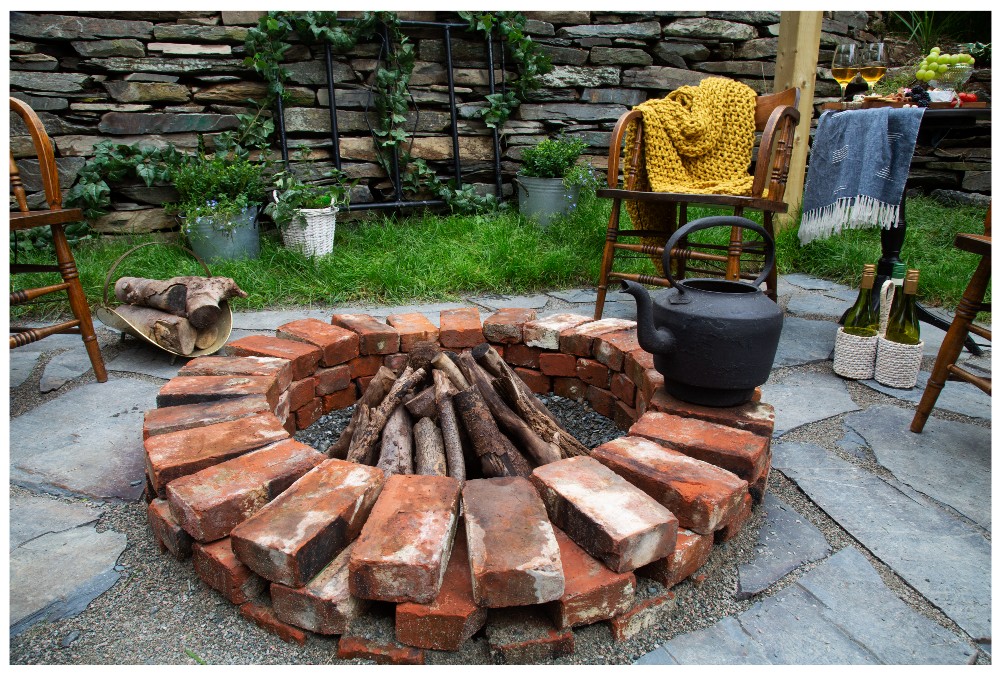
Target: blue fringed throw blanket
(857,170)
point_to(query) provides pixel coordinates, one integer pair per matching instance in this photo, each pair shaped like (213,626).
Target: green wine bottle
(903,326)
(860,319)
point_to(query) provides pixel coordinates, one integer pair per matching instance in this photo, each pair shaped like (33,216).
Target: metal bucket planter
(218,240)
(545,199)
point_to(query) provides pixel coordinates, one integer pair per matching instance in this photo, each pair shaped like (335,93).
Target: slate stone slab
(88,441)
(143,358)
(853,443)
(63,368)
(957,396)
(804,398)
(272,319)
(804,341)
(498,302)
(32,516)
(787,540)
(21,365)
(949,461)
(938,555)
(725,642)
(811,283)
(817,304)
(616,310)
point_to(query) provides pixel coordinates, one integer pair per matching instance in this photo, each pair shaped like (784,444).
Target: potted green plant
(306,213)
(550,180)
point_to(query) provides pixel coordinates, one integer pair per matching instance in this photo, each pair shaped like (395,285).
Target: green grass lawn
(441,258)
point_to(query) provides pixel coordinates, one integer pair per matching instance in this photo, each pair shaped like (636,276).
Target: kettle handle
(718,221)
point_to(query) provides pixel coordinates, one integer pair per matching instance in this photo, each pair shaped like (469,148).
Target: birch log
(449,426)
(377,388)
(429,456)
(172,332)
(396,455)
(363,443)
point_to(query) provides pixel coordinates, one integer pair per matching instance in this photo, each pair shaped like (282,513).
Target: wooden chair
(776,116)
(970,305)
(55,217)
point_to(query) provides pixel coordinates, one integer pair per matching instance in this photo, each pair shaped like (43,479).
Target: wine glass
(845,65)
(874,63)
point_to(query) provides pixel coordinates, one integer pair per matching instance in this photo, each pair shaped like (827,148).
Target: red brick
(176,454)
(624,416)
(593,593)
(283,410)
(298,533)
(325,604)
(736,523)
(637,362)
(522,355)
(690,554)
(301,393)
(188,416)
(396,362)
(404,546)
(579,340)
(525,636)
(643,616)
(506,325)
(413,327)
(211,502)
(374,336)
(557,364)
(365,366)
(650,381)
(570,388)
(461,327)
(240,366)
(702,496)
(304,356)
(362,384)
(593,373)
(203,389)
(352,647)
(610,518)
(536,382)
(513,553)
(752,416)
(452,617)
(759,487)
(741,452)
(623,389)
(339,400)
(337,344)
(333,379)
(308,414)
(602,401)
(544,332)
(217,566)
(610,348)
(262,614)
(289,425)
(167,531)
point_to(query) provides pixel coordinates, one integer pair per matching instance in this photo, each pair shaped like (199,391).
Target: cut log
(498,455)
(524,437)
(373,396)
(363,443)
(526,404)
(448,422)
(421,405)
(196,298)
(422,353)
(429,453)
(167,295)
(170,331)
(396,456)
(204,296)
(206,337)
(444,362)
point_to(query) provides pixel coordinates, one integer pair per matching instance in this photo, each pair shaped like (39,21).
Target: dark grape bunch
(920,96)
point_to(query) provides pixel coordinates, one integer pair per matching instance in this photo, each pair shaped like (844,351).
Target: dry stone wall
(163,77)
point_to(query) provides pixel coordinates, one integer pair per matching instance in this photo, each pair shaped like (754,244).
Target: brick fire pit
(297,539)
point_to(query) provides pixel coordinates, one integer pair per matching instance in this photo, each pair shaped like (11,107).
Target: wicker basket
(311,231)
(854,356)
(896,364)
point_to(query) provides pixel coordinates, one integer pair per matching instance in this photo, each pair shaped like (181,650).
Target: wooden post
(798,54)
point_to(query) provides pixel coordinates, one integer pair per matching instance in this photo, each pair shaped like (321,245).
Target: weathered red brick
(167,531)
(702,496)
(624,416)
(362,367)
(650,381)
(308,414)
(593,593)
(461,327)
(506,325)
(298,533)
(610,348)
(324,605)
(759,487)
(544,332)
(333,379)
(742,453)
(736,523)
(289,424)
(217,566)
(337,344)
(623,389)
(203,389)
(284,409)
(526,636)
(593,373)
(353,647)
(413,327)
(404,546)
(240,366)
(452,617)
(557,364)
(536,382)
(690,554)
(396,362)
(304,356)
(375,337)
(301,392)
(752,416)
(637,362)
(579,340)
(187,416)
(602,401)
(176,454)
(513,553)
(362,384)
(339,400)
(522,355)
(262,614)
(606,515)
(570,388)
(647,613)
(211,502)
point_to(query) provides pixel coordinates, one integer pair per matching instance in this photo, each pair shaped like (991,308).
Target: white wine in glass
(874,63)
(845,66)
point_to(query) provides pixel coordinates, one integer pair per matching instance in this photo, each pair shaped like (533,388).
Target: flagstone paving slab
(63,368)
(22,363)
(32,516)
(956,396)
(804,341)
(810,283)
(143,358)
(817,304)
(804,398)
(498,302)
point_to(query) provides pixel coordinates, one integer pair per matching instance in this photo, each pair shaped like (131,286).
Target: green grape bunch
(935,64)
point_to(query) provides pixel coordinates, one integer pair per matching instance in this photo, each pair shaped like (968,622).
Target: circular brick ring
(295,539)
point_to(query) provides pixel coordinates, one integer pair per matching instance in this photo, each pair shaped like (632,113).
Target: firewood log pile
(461,415)
(180,314)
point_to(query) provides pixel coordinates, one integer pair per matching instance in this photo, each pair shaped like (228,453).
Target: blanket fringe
(847,213)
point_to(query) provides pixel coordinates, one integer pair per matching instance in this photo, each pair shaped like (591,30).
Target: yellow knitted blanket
(696,140)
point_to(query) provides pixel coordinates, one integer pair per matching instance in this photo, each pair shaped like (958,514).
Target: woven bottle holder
(896,364)
(311,231)
(854,356)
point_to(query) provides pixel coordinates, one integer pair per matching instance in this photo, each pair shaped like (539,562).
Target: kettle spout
(651,339)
